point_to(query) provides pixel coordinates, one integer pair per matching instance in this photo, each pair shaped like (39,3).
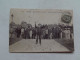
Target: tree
(24,24)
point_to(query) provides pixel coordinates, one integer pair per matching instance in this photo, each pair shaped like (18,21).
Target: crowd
(44,32)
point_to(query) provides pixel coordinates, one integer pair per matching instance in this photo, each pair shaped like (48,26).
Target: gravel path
(30,46)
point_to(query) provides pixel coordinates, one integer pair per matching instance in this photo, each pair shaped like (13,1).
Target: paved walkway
(30,46)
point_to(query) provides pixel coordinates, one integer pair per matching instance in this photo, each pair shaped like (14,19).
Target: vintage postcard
(41,30)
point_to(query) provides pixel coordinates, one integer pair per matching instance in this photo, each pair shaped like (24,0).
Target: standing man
(22,32)
(38,32)
(54,32)
(25,33)
(46,35)
(33,33)
(30,33)
(18,31)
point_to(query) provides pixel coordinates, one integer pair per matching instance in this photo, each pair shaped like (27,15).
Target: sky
(30,16)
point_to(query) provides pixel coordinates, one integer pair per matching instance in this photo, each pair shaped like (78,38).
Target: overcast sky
(38,17)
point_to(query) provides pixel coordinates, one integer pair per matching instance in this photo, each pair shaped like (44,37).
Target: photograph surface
(41,30)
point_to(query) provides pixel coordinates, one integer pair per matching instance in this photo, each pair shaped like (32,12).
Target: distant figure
(26,33)
(34,33)
(67,34)
(30,33)
(61,34)
(51,35)
(46,35)
(43,33)
(54,32)
(22,32)
(38,32)
(18,31)
(71,32)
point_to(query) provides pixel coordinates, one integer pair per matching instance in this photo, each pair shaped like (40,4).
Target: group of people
(43,32)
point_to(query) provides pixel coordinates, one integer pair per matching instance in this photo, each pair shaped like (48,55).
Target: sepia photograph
(41,30)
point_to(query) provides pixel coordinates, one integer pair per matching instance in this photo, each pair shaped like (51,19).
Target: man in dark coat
(26,32)
(18,31)
(34,33)
(38,33)
(54,32)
